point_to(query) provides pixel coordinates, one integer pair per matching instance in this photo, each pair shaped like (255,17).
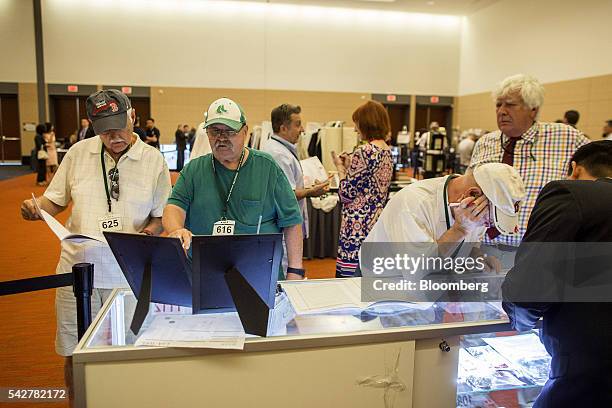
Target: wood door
(439,114)
(421,118)
(427,114)
(66,112)
(10,135)
(399,116)
(142,105)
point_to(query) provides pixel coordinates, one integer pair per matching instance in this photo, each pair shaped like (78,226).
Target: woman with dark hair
(365,176)
(40,144)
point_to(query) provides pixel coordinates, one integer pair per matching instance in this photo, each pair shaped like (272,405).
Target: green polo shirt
(262,189)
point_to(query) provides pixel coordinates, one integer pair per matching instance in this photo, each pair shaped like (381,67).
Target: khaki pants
(66,337)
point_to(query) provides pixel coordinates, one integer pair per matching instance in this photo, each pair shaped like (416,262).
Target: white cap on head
(226,112)
(504,188)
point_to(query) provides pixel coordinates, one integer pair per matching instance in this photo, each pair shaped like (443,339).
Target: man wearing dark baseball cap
(115,182)
(107,110)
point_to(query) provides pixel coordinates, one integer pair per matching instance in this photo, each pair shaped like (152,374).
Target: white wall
(17,41)
(196,43)
(550,39)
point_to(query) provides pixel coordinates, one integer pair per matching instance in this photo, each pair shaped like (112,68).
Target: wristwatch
(296,271)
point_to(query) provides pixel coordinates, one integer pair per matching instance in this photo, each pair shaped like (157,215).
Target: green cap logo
(221,110)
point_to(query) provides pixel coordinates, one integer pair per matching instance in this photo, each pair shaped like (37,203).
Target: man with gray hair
(111,182)
(539,151)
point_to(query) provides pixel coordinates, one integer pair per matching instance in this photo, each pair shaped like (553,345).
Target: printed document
(313,170)
(59,230)
(214,330)
(334,295)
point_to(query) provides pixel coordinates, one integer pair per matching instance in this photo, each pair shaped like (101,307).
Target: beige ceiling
(449,7)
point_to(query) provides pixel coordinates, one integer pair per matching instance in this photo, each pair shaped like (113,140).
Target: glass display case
(442,356)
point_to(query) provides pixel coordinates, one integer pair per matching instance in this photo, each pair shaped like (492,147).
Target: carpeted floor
(10,171)
(27,333)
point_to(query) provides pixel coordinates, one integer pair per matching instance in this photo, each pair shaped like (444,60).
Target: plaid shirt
(541,155)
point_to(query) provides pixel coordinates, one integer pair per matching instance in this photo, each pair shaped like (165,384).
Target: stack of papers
(339,295)
(313,171)
(215,330)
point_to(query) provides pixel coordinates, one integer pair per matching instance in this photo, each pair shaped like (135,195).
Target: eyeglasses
(113,175)
(216,132)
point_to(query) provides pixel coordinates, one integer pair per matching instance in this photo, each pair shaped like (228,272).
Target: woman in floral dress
(365,176)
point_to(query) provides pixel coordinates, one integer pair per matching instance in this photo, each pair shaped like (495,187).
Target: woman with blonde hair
(365,176)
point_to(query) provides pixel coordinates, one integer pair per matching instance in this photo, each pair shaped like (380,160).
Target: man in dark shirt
(181,136)
(571,118)
(139,131)
(578,336)
(152,133)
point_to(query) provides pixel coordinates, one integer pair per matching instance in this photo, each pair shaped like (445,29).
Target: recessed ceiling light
(431,3)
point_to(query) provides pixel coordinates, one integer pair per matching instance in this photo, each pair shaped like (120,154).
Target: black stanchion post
(82,287)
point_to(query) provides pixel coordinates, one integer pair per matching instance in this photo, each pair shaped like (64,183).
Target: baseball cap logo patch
(105,109)
(221,110)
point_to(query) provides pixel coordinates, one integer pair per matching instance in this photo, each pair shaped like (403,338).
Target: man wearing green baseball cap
(234,189)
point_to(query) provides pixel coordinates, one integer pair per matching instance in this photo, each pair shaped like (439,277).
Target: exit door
(10,135)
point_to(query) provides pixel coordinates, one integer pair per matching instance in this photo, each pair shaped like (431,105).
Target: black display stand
(232,272)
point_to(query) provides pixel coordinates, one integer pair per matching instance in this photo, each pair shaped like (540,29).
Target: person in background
(465,149)
(152,134)
(607,130)
(85,131)
(110,177)
(192,134)
(180,138)
(235,185)
(423,141)
(287,128)
(576,335)
(539,151)
(52,161)
(40,144)
(70,141)
(201,144)
(365,176)
(138,130)
(571,118)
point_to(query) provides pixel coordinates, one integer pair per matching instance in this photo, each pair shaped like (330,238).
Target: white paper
(60,231)
(215,330)
(403,138)
(314,297)
(309,324)
(349,139)
(313,170)
(331,140)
